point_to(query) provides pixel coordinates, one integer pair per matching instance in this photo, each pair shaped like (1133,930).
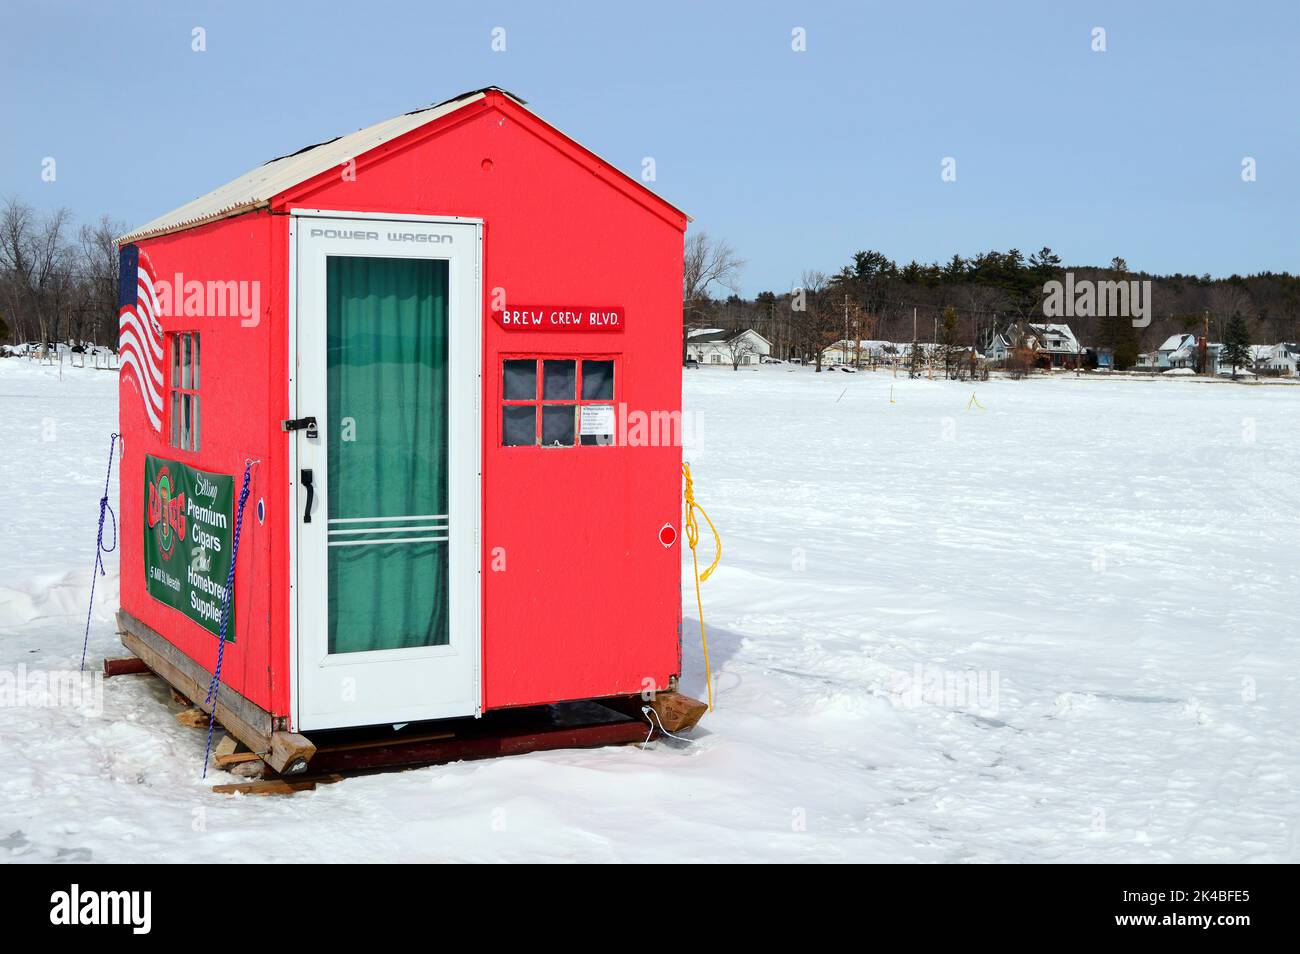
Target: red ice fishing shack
(435,343)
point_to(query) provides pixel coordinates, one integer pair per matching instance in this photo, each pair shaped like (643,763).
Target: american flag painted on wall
(139,335)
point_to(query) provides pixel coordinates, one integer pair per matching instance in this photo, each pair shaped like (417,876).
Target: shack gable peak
(259,186)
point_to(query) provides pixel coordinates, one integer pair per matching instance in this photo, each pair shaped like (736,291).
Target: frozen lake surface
(1063,627)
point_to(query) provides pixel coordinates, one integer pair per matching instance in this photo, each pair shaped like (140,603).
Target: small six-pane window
(557,401)
(183,387)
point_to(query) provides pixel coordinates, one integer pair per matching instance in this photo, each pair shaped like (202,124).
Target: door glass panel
(386,378)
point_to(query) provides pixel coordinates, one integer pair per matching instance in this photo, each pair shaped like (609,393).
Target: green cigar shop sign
(189,515)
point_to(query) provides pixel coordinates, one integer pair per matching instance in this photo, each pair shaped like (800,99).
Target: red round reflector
(668,535)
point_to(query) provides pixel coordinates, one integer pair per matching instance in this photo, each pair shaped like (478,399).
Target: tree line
(58,281)
(966,301)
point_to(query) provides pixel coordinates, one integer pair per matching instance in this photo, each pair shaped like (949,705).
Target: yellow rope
(692,528)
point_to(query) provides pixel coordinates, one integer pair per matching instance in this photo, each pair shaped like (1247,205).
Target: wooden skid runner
(337,754)
(286,752)
(350,759)
(482,743)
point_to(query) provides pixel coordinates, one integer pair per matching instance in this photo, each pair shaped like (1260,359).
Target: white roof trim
(256,188)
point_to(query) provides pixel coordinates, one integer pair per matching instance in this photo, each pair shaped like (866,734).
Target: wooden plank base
(676,712)
(475,743)
(193,718)
(276,786)
(290,753)
(247,722)
(355,752)
(336,754)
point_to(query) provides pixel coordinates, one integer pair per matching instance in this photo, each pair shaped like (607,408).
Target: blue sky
(796,158)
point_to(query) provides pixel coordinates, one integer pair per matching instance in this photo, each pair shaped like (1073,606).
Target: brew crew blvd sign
(560,318)
(189,516)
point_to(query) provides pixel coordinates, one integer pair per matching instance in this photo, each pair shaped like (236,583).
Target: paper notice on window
(597,420)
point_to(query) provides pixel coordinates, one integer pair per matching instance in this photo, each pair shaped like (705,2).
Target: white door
(386,478)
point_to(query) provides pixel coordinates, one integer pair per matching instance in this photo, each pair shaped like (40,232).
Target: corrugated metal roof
(256,188)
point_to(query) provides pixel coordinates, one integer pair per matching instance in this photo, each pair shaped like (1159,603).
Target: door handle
(311,494)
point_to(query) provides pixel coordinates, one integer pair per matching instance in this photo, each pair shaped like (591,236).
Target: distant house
(1282,358)
(1183,352)
(1212,352)
(866,352)
(1103,358)
(721,347)
(846,352)
(999,348)
(1057,343)
(1177,351)
(899,353)
(1053,345)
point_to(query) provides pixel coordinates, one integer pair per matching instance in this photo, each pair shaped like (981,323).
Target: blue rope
(100,549)
(225,614)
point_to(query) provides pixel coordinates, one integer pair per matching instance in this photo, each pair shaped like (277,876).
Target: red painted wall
(240,367)
(588,603)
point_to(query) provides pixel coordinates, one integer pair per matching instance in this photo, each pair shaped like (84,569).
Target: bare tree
(985,305)
(739,348)
(15,245)
(1228,300)
(706,264)
(56,285)
(98,274)
(814,319)
(38,268)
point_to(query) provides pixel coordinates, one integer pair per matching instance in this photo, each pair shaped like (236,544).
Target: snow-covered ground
(1063,627)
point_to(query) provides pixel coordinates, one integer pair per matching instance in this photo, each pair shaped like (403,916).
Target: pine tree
(1116,332)
(914,366)
(1236,344)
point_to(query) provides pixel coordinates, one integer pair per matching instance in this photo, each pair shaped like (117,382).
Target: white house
(1056,342)
(1177,351)
(1281,358)
(730,348)
(868,351)
(1184,355)
(1182,352)
(1053,341)
(999,348)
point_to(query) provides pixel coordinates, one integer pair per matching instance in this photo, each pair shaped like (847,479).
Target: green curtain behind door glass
(387,451)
